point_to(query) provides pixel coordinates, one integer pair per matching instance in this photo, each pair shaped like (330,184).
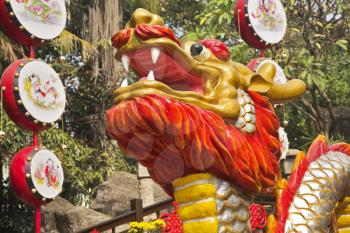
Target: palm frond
(70,43)
(9,50)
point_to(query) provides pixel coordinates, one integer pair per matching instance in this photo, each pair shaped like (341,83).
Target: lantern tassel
(37,219)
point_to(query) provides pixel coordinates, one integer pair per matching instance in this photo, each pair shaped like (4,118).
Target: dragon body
(318,181)
(205,128)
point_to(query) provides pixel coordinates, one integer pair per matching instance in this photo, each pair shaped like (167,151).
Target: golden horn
(263,80)
(291,90)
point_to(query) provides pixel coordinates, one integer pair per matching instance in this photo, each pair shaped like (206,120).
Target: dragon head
(179,117)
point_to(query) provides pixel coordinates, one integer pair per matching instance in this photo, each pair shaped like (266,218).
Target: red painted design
(258,217)
(145,32)
(172,221)
(121,38)
(174,139)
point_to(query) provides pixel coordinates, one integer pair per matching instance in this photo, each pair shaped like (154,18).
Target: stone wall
(112,199)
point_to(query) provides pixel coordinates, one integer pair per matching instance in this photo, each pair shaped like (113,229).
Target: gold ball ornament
(2,135)
(64,147)
(62,58)
(285,123)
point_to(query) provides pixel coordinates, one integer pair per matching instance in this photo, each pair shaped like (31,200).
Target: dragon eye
(199,52)
(196,49)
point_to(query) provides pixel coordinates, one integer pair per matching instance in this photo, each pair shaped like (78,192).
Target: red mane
(121,38)
(174,139)
(144,32)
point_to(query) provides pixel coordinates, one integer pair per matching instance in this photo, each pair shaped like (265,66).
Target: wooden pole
(136,205)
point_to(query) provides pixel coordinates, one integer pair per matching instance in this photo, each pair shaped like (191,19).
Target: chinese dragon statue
(205,128)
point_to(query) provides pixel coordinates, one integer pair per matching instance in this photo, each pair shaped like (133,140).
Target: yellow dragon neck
(210,205)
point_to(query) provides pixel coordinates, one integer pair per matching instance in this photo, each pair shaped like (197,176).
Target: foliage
(216,21)
(90,156)
(147,227)
(316,50)
(84,168)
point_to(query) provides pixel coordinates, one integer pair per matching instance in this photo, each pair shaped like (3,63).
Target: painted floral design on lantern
(267,15)
(44,11)
(42,93)
(48,173)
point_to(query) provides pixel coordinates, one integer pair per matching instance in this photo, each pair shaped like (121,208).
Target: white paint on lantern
(268,19)
(47,174)
(45,19)
(41,91)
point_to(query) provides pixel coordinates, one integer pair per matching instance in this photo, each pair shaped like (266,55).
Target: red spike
(317,148)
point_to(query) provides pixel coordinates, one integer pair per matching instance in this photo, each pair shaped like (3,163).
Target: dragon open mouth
(154,64)
(199,73)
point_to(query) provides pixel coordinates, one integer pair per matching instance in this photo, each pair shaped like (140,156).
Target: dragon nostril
(196,49)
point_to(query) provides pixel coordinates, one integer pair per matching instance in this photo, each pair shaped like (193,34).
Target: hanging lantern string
(1,108)
(37,219)
(63,146)
(285,122)
(35,143)
(262,53)
(62,127)
(239,24)
(35,139)
(31,51)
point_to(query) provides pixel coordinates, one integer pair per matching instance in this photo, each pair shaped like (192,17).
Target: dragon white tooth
(124,83)
(155,52)
(126,61)
(150,76)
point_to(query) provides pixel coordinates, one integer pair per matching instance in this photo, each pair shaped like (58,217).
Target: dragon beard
(173,139)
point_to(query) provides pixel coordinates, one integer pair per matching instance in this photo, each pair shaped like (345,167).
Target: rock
(159,194)
(60,216)
(79,218)
(112,199)
(49,214)
(114,195)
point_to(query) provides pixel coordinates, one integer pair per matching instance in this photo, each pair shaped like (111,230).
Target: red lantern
(32,24)
(261,23)
(34,96)
(36,175)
